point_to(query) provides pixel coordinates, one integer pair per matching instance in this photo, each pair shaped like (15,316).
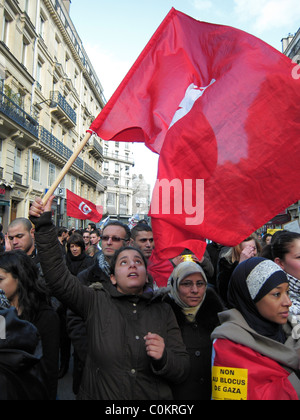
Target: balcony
(18,178)
(63,110)
(71,33)
(95,149)
(51,147)
(16,118)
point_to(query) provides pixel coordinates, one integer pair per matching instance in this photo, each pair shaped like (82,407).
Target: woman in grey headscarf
(196,308)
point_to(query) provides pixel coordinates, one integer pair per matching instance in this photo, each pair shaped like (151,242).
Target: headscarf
(251,281)
(181,272)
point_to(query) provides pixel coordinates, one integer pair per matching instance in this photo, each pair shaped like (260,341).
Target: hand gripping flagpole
(67,167)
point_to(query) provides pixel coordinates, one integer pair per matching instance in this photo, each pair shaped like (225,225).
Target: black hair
(117,253)
(140,228)
(31,293)
(76,239)
(282,243)
(96,231)
(61,231)
(21,221)
(122,225)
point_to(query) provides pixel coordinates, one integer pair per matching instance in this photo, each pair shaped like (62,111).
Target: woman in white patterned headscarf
(254,350)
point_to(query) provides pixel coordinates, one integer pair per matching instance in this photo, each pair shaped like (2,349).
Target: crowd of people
(141,335)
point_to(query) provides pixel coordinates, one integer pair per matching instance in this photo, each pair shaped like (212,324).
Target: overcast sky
(114,33)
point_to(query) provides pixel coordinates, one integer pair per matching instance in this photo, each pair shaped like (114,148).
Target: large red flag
(82,209)
(222,108)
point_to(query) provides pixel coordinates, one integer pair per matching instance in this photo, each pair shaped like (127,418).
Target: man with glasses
(115,235)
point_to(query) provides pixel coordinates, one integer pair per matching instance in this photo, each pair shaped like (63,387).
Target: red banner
(82,209)
(222,108)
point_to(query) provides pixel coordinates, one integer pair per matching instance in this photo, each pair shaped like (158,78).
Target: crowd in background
(137,334)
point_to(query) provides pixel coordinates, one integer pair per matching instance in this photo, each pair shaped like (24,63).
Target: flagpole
(66,168)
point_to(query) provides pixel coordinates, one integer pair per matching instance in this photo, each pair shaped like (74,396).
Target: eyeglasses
(190,284)
(116,239)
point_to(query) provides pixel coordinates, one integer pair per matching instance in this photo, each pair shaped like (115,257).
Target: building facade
(141,197)
(49,96)
(117,178)
(291,48)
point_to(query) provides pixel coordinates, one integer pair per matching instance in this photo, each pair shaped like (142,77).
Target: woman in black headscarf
(256,356)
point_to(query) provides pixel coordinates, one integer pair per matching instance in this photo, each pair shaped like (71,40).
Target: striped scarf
(294,294)
(4,303)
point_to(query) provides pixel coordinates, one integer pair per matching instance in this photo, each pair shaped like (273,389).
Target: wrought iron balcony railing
(18,115)
(57,146)
(64,105)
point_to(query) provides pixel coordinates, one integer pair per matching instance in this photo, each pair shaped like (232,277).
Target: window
(117,168)
(56,47)
(51,175)
(5,30)
(39,74)
(67,63)
(24,51)
(111,199)
(123,200)
(76,78)
(42,26)
(26,6)
(73,184)
(17,161)
(63,183)
(36,167)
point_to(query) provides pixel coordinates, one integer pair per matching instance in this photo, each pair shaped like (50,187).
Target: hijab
(181,272)
(251,281)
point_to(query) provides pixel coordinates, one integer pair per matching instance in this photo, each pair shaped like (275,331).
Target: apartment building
(291,48)
(49,96)
(117,178)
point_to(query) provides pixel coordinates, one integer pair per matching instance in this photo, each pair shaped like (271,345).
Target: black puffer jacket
(117,366)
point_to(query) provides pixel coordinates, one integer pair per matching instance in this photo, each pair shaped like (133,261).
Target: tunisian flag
(82,209)
(222,108)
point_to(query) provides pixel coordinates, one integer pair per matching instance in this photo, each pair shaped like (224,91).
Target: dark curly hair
(31,293)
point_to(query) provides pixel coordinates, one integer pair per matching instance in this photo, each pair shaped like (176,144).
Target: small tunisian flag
(222,108)
(82,209)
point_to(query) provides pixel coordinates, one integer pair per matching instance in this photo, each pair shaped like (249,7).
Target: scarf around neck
(294,294)
(104,265)
(4,303)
